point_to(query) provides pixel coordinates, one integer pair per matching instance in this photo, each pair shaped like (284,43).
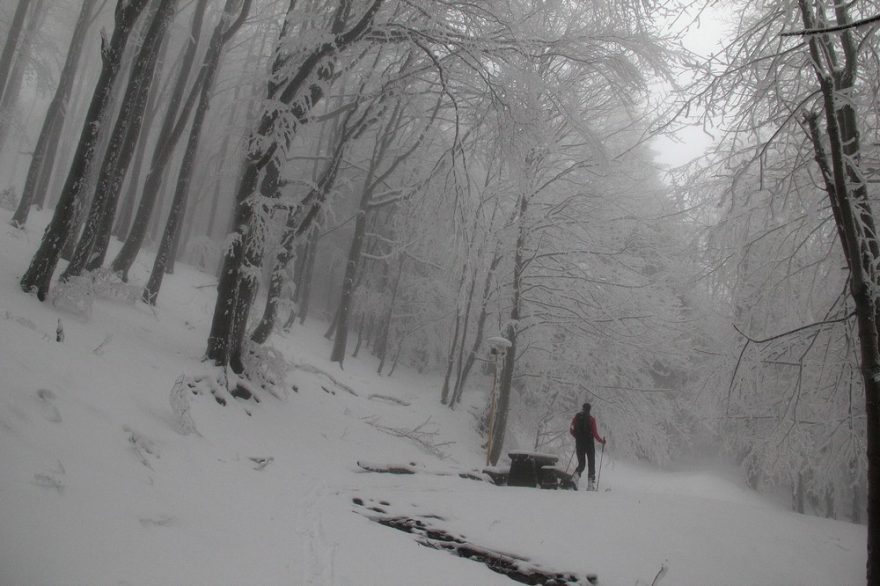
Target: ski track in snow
(318,552)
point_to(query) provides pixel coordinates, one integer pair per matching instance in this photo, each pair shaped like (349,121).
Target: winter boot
(591,484)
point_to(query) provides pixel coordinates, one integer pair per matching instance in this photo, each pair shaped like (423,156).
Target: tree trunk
(222,33)
(299,221)
(304,287)
(237,284)
(357,241)
(12,36)
(498,418)
(122,224)
(50,182)
(169,134)
(450,361)
(39,273)
(12,88)
(461,377)
(47,142)
(221,175)
(859,238)
(348,284)
(382,350)
(91,246)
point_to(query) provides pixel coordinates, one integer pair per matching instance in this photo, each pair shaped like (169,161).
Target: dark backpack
(572,429)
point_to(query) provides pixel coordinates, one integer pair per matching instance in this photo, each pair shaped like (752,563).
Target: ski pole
(599,474)
(570,458)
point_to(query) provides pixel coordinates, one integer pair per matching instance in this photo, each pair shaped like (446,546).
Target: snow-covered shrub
(181,393)
(265,366)
(76,295)
(108,285)
(185,388)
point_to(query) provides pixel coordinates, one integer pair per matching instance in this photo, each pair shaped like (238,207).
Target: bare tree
(47,143)
(223,32)
(299,88)
(91,247)
(42,266)
(173,124)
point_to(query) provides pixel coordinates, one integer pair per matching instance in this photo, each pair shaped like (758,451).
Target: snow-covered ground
(98,488)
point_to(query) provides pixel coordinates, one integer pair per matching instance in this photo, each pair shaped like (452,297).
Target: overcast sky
(703,37)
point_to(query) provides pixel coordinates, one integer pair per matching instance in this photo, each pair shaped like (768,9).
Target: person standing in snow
(583,428)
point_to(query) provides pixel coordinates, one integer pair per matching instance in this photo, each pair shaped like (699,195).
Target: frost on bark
(91,246)
(498,413)
(848,195)
(299,221)
(39,274)
(296,88)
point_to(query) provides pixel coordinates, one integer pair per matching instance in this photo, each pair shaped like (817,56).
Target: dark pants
(587,449)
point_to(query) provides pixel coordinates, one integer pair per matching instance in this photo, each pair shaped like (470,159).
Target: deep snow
(98,488)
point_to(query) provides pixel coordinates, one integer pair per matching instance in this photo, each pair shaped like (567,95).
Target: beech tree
(92,244)
(42,266)
(43,157)
(296,84)
(234,13)
(173,124)
(803,102)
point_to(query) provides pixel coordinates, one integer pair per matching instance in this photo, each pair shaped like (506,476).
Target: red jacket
(577,429)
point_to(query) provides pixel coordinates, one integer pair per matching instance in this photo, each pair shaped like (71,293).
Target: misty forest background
(423,176)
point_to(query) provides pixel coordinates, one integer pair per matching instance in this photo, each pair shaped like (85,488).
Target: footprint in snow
(46,403)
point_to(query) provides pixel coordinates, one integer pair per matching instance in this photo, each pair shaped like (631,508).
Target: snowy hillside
(98,487)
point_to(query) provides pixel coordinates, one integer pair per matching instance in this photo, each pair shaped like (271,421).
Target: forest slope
(98,487)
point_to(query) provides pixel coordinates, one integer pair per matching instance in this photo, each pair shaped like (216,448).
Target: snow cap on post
(499,345)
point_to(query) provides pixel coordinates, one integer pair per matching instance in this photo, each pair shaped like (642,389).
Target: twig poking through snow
(664,567)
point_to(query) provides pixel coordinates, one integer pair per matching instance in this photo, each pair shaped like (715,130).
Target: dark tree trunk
(299,221)
(331,329)
(39,273)
(222,33)
(498,416)
(857,230)
(122,224)
(93,241)
(353,262)
(50,181)
(237,285)
(450,361)
(170,132)
(221,174)
(348,285)
(47,142)
(304,287)
(382,349)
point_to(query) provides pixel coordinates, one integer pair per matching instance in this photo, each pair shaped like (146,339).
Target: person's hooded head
(587,408)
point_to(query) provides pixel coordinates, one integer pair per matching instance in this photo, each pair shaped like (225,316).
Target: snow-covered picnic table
(526,467)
